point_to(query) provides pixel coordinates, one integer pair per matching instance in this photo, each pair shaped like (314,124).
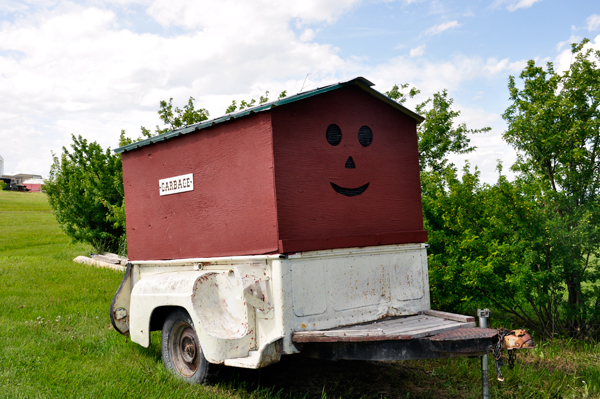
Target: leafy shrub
(85,190)
(528,247)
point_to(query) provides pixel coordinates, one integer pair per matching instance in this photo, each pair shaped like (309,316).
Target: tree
(85,190)
(85,187)
(486,241)
(453,208)
(529,247)
(248,104)
(439,136)
(172,118)
(554,124)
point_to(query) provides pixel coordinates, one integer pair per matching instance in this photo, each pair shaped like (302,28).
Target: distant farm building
(33,185)
(21,177)
(23,182)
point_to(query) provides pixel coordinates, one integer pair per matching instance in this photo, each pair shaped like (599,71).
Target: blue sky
(96,67)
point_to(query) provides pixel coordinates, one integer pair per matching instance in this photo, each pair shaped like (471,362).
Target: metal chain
(497,351)
(512,357)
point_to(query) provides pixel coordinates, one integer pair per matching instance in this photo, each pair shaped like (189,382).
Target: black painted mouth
(349,192)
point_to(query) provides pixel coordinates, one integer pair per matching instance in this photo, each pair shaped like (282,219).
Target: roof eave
(361,82)
(366,87)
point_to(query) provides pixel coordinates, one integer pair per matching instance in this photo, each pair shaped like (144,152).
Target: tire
(181,351)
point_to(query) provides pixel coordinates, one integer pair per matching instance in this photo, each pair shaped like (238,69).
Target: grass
(56,341)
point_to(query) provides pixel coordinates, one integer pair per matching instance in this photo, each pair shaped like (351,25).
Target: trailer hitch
(518,339)
(510,340)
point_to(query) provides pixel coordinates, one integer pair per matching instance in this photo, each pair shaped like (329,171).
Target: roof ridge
(361,82)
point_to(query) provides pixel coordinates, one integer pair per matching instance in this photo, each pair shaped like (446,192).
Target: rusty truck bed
(431,334)
(430,322)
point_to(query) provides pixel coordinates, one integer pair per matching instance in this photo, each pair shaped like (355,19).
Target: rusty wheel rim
(185,349)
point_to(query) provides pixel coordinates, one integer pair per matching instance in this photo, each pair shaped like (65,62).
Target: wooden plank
(388,329)
(396,321)
(424,324)
(342,338)
(382,324)
(317,333)
(335,333)
(411,334)
(382,327)
(449,316)
(406,321)
(357,334)
(431,331)
(360,333)
(361,327)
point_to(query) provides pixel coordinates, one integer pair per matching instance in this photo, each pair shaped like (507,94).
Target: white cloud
(490,146)
(431,76)
(249,17)
(417,51)
(437,29)
(407,2)
(307,35)
(93,70)
(515,5)
(454,74)
(572,39)
(75,69)
(593,22)
(562,62)
(494,66)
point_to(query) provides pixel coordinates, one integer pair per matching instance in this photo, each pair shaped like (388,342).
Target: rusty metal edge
(112,303)
(449,316)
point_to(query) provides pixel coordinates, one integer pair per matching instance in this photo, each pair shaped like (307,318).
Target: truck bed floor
(427,324)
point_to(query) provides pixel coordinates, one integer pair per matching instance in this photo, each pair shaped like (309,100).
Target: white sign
(177,184)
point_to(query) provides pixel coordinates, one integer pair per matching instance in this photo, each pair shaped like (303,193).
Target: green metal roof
(361,82)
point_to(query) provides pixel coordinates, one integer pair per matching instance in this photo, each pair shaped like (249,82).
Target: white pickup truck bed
(248,311)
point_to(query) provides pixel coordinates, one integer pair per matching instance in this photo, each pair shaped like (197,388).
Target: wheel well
(159,316)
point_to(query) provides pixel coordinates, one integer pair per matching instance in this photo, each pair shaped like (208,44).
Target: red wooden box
(331,168)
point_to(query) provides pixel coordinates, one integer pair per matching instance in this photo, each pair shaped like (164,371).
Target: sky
(94,68)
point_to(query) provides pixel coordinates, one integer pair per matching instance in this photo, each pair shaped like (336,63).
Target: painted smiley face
(334,137)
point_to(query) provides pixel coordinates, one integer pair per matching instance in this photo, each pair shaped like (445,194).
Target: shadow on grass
(298,377)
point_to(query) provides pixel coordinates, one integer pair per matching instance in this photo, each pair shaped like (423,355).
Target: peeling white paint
(245,309)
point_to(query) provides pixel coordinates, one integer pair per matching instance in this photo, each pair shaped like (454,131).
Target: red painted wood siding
(263,183)
(311,215)
(232,208)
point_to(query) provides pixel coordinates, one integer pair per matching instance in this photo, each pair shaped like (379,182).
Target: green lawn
(56,341)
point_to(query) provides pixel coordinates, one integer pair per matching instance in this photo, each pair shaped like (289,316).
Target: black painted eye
(365,136)
(334,134)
